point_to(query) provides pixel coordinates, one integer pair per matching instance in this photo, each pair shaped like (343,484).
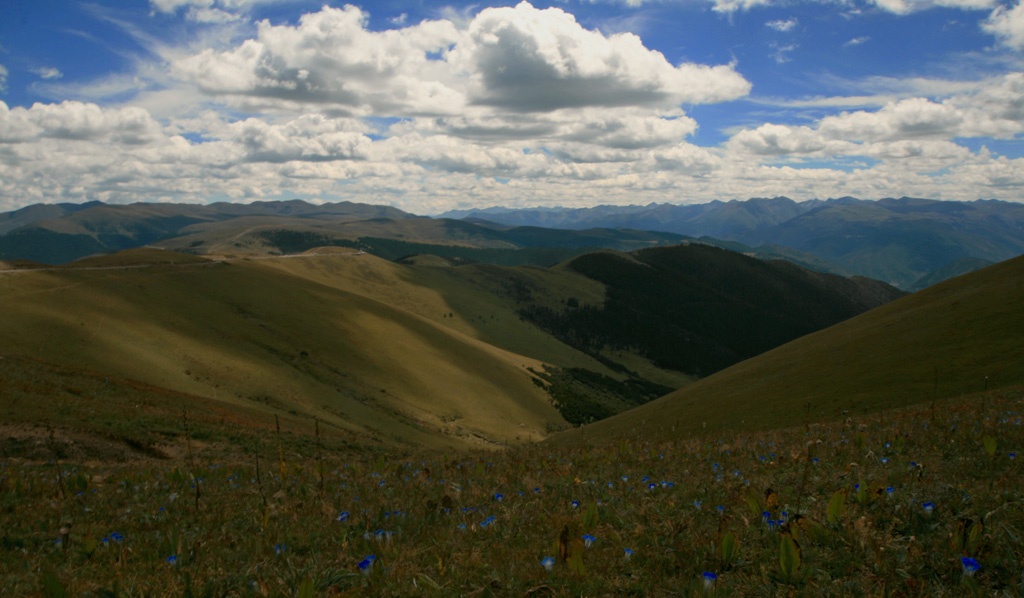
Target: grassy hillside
(250,335)
(953,339)
(912,503)
(484,301)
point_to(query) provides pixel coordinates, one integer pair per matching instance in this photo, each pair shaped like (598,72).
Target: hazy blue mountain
(894,240)
(64,232)
(25,216)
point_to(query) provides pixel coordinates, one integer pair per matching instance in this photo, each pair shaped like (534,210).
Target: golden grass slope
(479,300)
(939,343)
(250,334)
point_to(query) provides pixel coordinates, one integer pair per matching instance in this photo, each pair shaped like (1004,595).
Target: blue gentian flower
(628,553)
(970,566)
(498,497)
(279,548)
(928,508)
(366,565)
(588,540)
(548,562)
(709,580)
(575,504)
(343,517)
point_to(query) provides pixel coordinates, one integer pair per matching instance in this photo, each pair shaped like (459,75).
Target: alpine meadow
(333,402)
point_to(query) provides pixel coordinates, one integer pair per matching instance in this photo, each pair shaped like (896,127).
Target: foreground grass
(876,506)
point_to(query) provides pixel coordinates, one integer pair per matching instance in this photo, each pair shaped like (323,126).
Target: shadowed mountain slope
(698,309)
(952,339)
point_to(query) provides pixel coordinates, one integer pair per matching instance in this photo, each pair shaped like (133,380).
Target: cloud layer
(511,105)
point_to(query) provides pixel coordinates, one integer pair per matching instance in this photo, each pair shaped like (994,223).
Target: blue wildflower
(172,560)
(928,508)
(343,517)
(970,566)
(498,497)
(366,565)
(279,548)
(588,540)
(628,553)
(575,504)
(548,562)
(709,580)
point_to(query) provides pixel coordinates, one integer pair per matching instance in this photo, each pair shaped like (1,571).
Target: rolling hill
(251,336)
(424,352)
(65,232)
(950,340)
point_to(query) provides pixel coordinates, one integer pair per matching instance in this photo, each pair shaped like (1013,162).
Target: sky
(430,107)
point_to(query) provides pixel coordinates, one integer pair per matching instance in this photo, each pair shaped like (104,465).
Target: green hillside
(953,339)
(253,336)
(421,352)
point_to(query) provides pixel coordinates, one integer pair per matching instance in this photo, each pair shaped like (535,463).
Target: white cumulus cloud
(331,59)
(524,59)
(513,59)
(1007,24)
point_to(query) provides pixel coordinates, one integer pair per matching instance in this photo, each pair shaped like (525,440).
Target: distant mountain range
(906,242)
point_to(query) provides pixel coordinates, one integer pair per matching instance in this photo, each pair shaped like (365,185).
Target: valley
(264,416)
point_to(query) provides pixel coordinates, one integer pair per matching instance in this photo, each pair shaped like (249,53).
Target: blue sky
(431,107)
